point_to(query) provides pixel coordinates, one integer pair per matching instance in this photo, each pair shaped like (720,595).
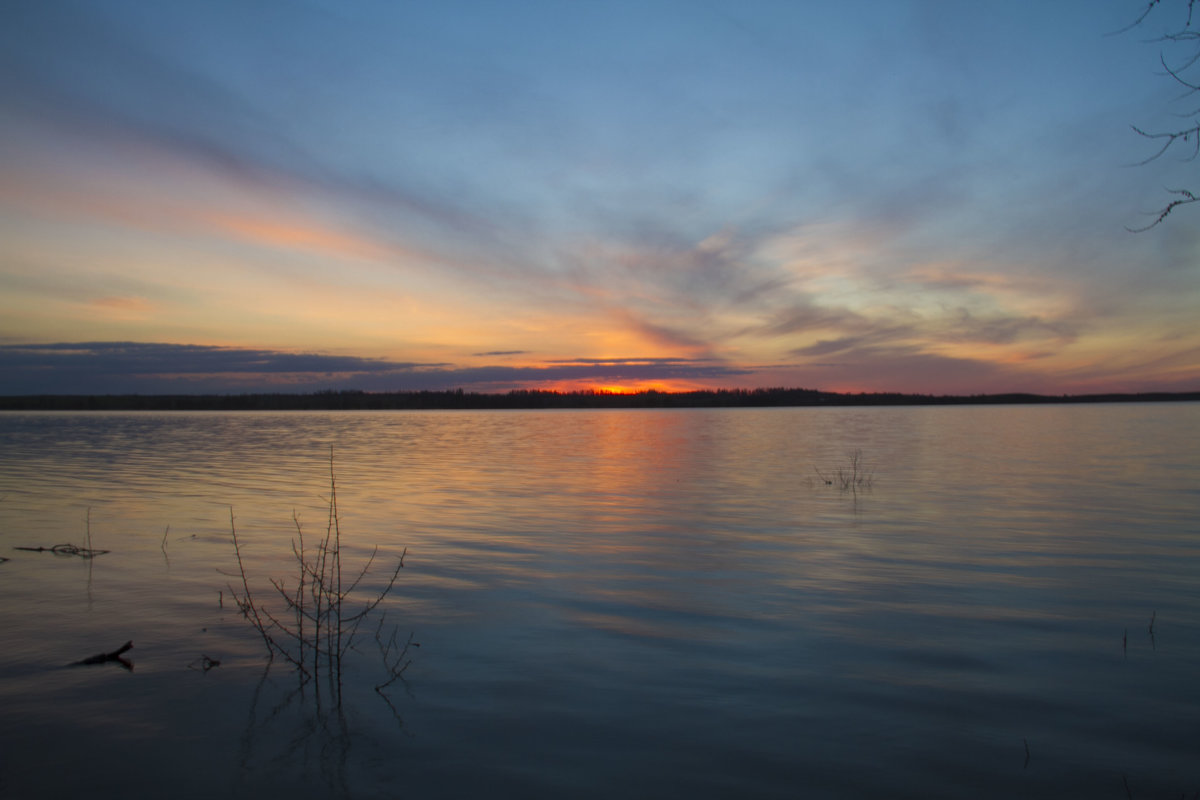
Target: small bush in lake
(852,476)
(311,622)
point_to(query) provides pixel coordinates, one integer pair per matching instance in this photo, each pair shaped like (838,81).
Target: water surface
(617,603)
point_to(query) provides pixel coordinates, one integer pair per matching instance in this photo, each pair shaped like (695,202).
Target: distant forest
(532,398)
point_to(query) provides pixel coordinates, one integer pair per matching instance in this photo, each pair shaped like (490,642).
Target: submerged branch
(104,658)
(66,550)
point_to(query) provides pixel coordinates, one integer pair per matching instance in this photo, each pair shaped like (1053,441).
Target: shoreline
(538,399)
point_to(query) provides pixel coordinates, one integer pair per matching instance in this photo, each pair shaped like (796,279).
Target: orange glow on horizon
(631,387)
(647,386)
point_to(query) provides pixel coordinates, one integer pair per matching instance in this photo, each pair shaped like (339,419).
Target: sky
(267,195)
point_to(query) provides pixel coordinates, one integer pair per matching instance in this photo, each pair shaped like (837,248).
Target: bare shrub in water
(851,477)
(312,621)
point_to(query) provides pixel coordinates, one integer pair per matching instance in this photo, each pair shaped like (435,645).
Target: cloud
(584,371)
(121,367)
(1000,329)
(663,335)
(155,368)
(826,347)
(125,307)
(803,316)
(139,99)
(907,369)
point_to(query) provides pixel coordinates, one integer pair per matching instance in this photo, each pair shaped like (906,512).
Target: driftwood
(104,658)
(65,550)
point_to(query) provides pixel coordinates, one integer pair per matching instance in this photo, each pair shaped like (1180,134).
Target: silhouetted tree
(1179,53)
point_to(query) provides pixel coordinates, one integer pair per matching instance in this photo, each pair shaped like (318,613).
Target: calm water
(617,603)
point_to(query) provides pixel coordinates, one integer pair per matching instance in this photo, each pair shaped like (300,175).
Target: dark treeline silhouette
(535,398)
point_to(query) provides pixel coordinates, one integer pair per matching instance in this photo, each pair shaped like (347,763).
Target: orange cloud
(125,203)
(304,236)
(124,308)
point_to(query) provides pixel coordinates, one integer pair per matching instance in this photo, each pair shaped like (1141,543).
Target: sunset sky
(259,195)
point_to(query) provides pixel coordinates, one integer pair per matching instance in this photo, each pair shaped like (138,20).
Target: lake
(632,603)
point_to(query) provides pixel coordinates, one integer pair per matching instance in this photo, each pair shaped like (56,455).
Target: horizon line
(459,399)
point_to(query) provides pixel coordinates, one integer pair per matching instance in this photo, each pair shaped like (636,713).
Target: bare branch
(1187,198)
(1174,73)
(1149,7)
(248,604)
(1188,135)
(1188,138)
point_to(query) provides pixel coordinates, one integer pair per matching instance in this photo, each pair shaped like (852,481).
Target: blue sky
(891,196)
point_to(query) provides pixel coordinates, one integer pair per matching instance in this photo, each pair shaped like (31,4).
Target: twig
(247,604)
(299,602)
(337,559)
(371,605)
(396,663)
(1149,7)
(1188,198)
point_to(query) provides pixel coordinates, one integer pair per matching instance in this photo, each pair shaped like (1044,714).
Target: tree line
(540,399)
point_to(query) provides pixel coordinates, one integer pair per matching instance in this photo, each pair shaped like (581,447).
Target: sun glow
(634,387)
(623,388)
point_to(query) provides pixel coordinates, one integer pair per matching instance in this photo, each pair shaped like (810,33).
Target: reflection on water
(643,603)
